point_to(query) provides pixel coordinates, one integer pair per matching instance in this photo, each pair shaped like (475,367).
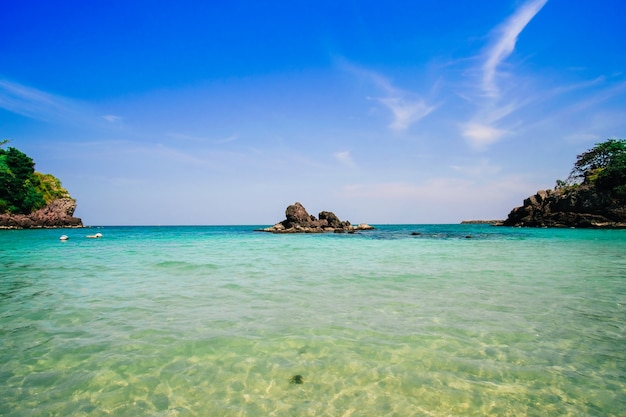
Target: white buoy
(63,237)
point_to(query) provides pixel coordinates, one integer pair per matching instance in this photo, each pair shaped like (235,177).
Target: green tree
(603,166)
(7,183)
(613,176)
(22,189)
(18,183)
(20,164)
(590,165)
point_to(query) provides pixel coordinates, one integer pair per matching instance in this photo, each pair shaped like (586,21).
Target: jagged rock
(584,206)
(297,216)
(59,213)
(332,220)
(298,220)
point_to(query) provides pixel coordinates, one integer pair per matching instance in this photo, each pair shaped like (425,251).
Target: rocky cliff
(584,206)
(298,220)
(59,213)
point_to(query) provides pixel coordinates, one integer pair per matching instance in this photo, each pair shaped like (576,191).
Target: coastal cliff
(298,220)
(30,199)
(57,214)
(585,206)
(593,196)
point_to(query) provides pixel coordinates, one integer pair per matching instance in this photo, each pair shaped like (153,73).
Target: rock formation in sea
(298,220)
(58,213)
(584,206)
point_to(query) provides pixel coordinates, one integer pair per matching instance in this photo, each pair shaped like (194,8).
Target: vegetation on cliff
(603,166)
(22,189)
(594,194)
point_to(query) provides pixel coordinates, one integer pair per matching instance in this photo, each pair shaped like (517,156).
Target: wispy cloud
(179,156)
(600,95)
(111,118)
(33,103)
(495,104)
(407,108)
(405,111)
(505,42)
(202,139)
(41,105)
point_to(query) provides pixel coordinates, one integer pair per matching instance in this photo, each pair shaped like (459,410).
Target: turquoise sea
(410,320)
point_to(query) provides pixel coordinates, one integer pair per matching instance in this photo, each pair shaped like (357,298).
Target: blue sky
(190,112)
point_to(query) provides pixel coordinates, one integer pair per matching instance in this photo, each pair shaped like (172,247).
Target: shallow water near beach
(412,320)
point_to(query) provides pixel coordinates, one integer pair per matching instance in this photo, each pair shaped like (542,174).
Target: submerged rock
(296,379)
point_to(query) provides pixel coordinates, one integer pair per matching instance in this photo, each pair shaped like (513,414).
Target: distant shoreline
(493,222)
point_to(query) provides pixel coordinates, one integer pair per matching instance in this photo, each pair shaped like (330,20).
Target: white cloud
(344,158)
(505,43)
(496,104)
(407,108)
(111,118)
(40,105)
(481,135)
(33,103)
(405,112)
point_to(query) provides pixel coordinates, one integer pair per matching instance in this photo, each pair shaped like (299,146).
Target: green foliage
(604,166)
(50,187)
(589,165)
(22,190)
(20,164)
(613,176)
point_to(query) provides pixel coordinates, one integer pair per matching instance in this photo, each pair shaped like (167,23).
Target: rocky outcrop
(298,220)
(59,213)
(583,206)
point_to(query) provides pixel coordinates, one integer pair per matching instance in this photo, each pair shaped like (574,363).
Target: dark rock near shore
(59,213)
(298,220)
(583,206)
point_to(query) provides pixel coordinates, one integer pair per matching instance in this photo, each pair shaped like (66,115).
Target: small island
(30,199)
(298,220)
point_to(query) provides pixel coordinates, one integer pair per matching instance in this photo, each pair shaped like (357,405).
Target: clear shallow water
(214,321)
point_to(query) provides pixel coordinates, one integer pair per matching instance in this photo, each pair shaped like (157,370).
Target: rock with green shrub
(29,198)
(593,196)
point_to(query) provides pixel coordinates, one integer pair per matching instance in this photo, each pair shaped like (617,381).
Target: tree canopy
(604,165)
(22,189)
